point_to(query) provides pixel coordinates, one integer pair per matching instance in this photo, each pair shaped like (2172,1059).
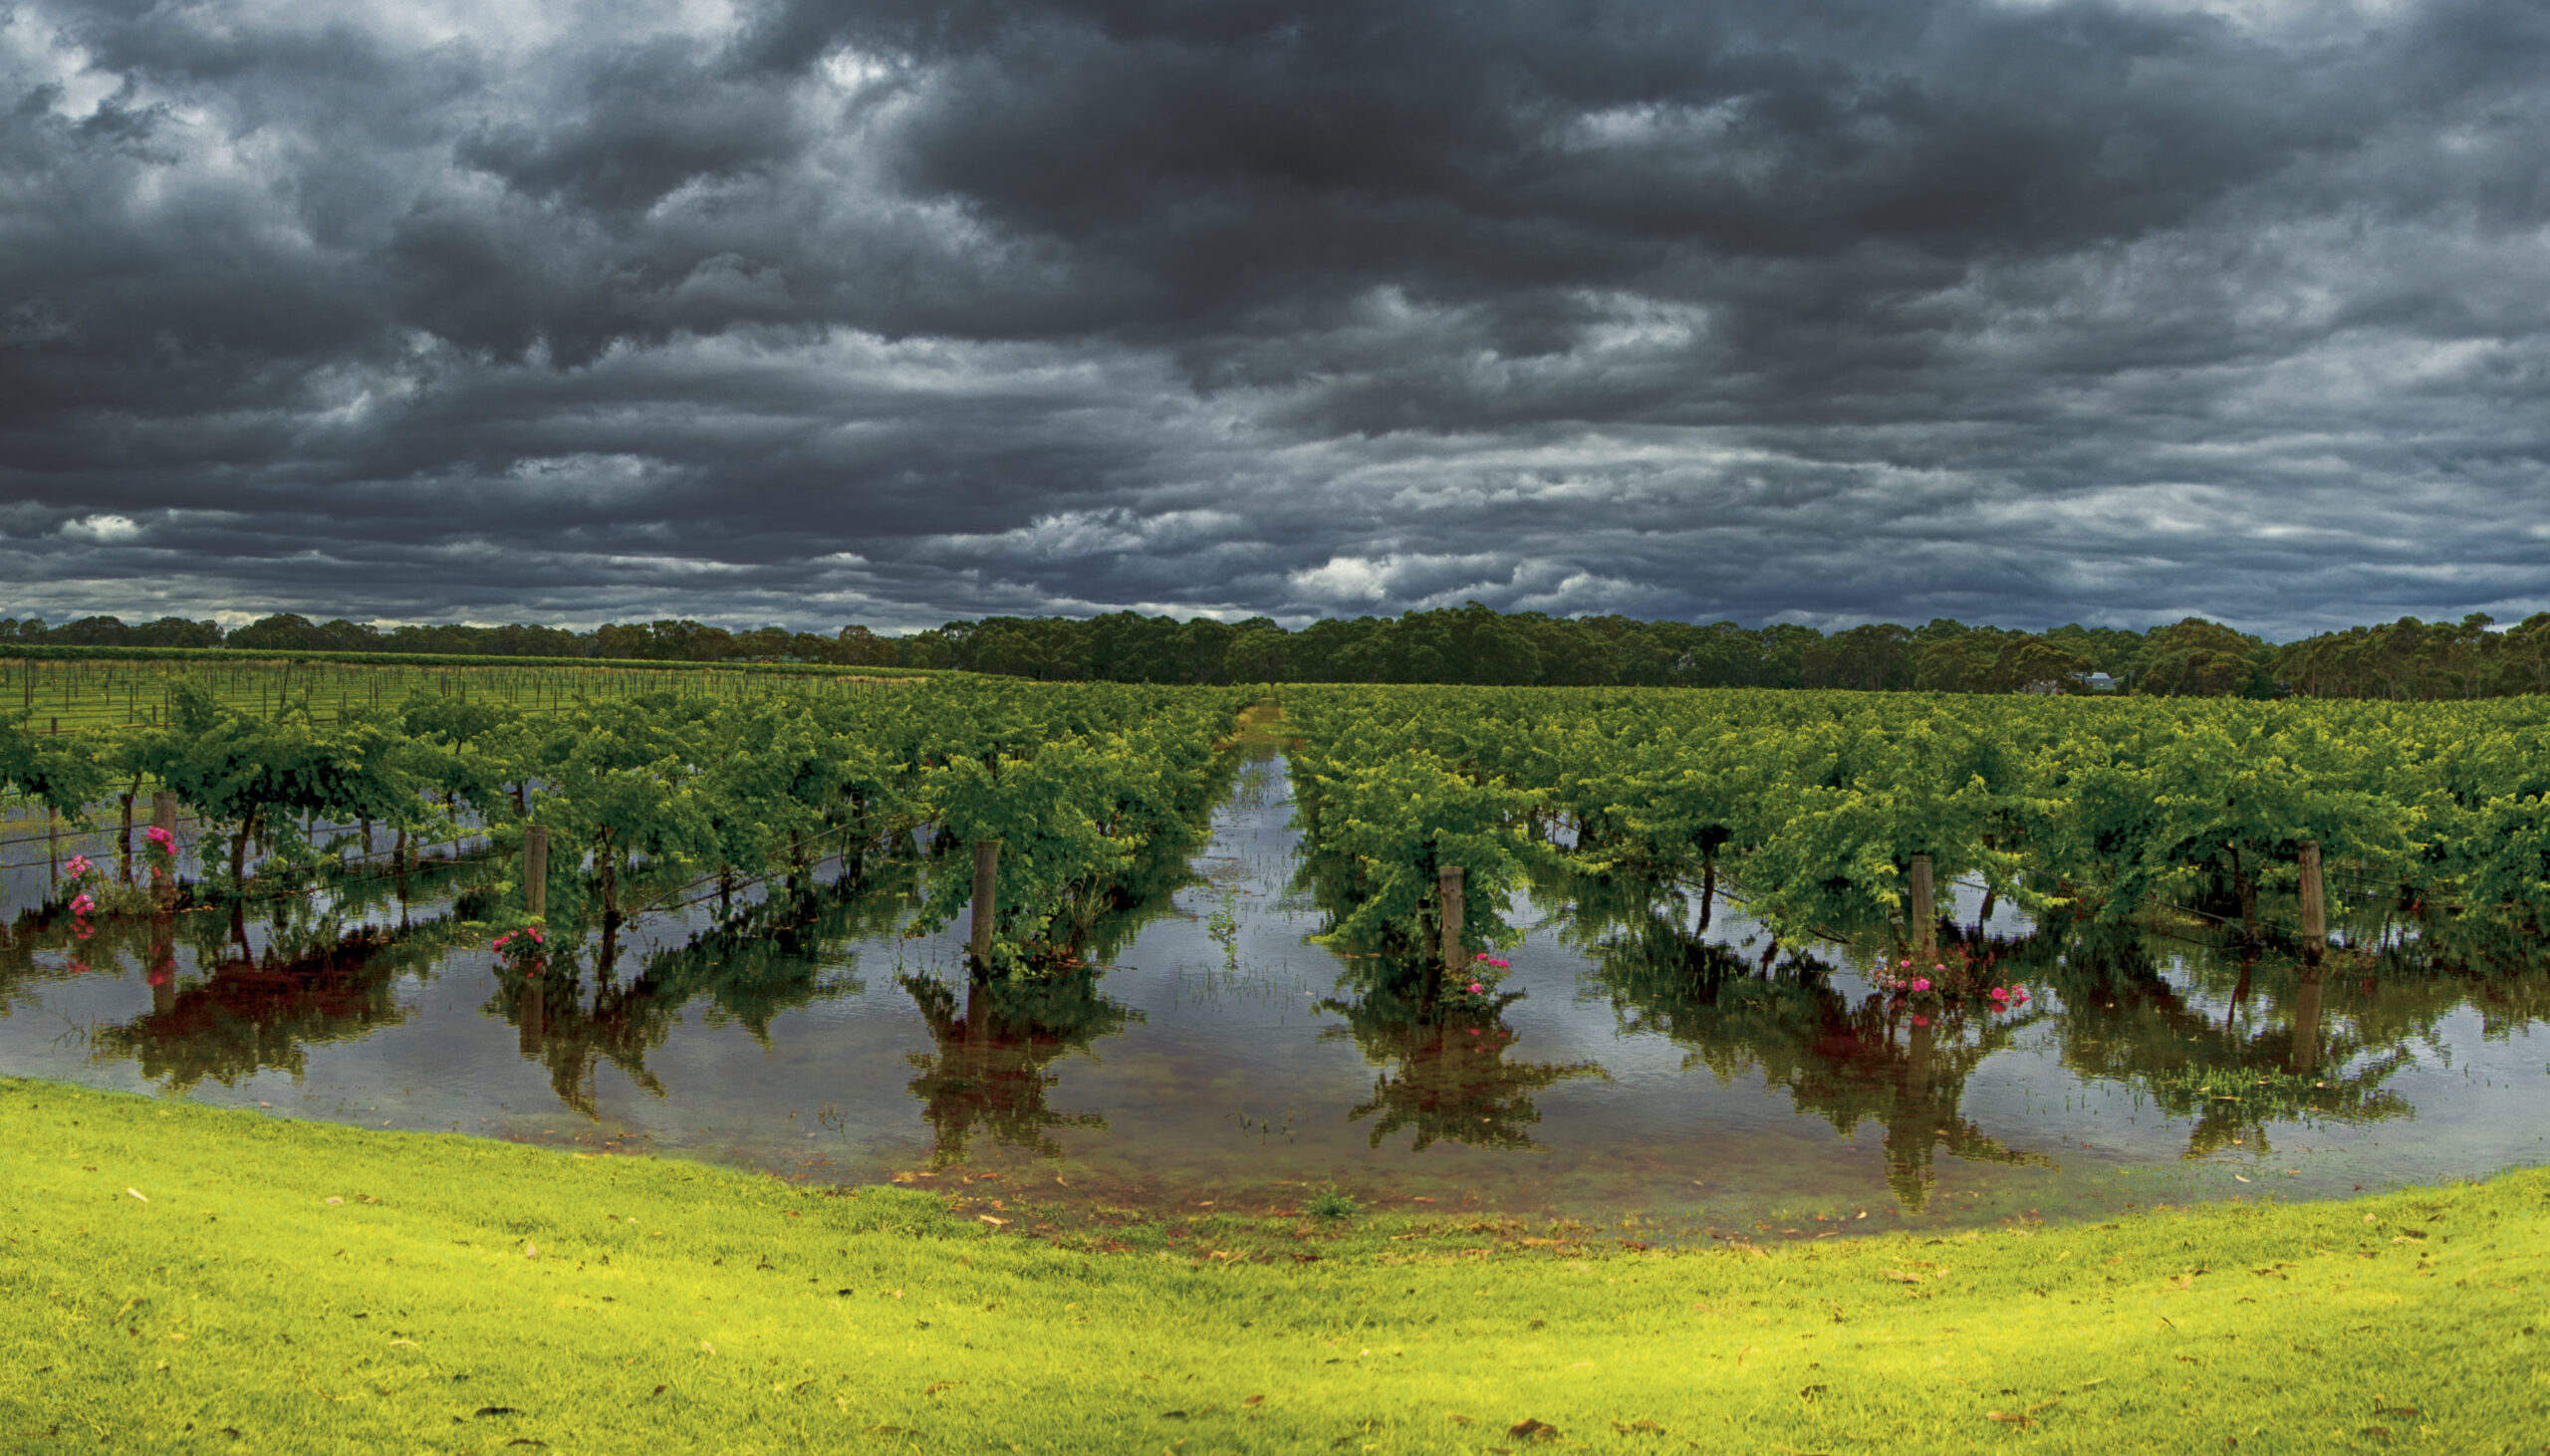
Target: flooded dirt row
(1638,1075)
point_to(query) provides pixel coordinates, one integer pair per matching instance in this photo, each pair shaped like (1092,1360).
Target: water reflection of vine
(260,992)
(1447,1080)
(988,1070)
(766,958)
(2126,1022)
(1849,1062)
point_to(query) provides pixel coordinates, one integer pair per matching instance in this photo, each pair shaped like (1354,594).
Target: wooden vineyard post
(1450,887)
(535,870)
(2315,904)
(1924,913)
(986,883)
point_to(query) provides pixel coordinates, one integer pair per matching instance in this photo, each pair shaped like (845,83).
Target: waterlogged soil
(1644,1086)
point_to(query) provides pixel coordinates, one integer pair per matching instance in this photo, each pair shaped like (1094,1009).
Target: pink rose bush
(1956,982)
(1479,991)
(522,952)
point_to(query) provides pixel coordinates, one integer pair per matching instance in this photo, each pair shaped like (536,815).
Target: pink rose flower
(81,904)
(78,867)
(161,838)
(1922,984)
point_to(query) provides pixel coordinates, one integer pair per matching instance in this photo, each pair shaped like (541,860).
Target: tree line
(1477,645)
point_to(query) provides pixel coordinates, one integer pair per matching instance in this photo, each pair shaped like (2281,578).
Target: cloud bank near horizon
(894,312)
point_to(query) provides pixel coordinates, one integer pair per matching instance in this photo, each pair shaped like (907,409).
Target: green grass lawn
(174,1278)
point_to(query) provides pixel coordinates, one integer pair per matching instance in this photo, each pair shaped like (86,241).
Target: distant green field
(81,691)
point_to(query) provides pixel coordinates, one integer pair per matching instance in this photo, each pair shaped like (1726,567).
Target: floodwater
(1650,1079)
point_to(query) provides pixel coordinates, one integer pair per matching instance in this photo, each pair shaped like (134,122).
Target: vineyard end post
(2315,903)
(1924,913)
(986,884)
(535,870)
(1451,887)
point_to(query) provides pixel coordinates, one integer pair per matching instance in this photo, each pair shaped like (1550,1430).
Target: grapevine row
(649,796)
(1813,806)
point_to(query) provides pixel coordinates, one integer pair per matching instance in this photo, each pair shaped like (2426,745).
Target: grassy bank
(174,1278)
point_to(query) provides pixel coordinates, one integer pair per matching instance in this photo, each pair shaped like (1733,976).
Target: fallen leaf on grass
(136,1194)
(487,1410)
(1647,1426)
(994,1222)
(2006,1418)
(411,1345)
(1533,1430)
(1898,1276)
(1253,1400)
(938,1387)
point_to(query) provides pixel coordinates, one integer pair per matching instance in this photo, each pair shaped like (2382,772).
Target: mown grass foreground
(175,1278)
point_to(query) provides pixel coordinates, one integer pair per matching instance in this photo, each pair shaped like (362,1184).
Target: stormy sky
(895,312)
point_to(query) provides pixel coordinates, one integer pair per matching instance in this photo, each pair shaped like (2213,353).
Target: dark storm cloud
(895,312)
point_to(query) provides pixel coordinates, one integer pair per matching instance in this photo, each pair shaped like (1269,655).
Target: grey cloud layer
(895,312)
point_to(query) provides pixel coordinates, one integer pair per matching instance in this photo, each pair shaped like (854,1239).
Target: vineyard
(2112,885)
(651,796)
(1822,811)
(83,691)
(1831,817)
